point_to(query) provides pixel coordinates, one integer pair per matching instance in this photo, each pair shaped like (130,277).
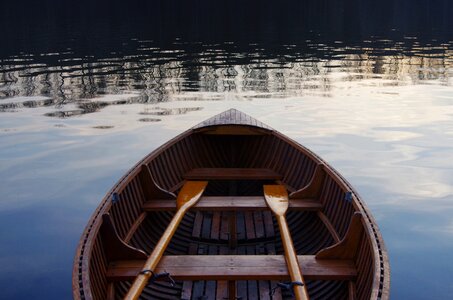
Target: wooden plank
(215,228)
(196,230)
(232,226)
(232,203)
(249,225)
(241,285)
(263,285)
(186,292)
(231,174)
(223,286)
(252,285)
(237,267)
(199,285)
(268,224)
(270,248)
(240,226)
(259,225)
(224,231)
(206,227)
(210,289)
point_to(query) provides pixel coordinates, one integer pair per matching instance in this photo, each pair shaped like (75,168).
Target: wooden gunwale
(380,288)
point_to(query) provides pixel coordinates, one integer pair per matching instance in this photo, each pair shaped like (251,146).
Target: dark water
(88,88)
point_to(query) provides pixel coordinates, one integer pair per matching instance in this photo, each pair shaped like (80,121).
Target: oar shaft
(291,258)
(188,196)
(153,260)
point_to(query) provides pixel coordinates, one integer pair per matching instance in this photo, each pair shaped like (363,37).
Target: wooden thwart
(232,174)
(228,203)
(237,267)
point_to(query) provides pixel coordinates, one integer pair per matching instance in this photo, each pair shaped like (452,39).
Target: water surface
(85,93)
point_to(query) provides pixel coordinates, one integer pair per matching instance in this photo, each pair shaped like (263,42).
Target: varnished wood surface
(237,267)
(235,203)
(232,117)
(187,197)
(313,188)
(260,148)
(277,199)
(349,245)
(232,174)
(117,248)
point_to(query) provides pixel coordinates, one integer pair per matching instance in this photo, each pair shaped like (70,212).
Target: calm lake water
(86,91)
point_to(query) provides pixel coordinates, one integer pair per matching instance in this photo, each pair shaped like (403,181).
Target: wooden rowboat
(208,209)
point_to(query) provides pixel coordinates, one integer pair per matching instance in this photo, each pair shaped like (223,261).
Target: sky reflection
(82,100)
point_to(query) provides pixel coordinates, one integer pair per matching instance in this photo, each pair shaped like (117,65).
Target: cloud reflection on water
(379,110)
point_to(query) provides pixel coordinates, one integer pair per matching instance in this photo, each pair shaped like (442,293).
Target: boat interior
(228,246)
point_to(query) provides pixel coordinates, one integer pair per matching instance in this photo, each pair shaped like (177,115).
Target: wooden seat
(236,267)
(232,174)
(231,203)
(220,289)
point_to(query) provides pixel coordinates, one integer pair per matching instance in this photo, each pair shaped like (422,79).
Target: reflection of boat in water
(229,243)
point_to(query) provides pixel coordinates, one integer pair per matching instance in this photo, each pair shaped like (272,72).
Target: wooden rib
(134,227)
(352,290)
(337,210)
(237,267)
(213,203)
(329,226)
(110,291)
(231,174)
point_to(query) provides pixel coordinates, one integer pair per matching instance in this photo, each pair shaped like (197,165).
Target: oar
(188,196)
(277,199)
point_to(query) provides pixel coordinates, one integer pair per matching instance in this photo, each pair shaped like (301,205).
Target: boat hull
(237,155)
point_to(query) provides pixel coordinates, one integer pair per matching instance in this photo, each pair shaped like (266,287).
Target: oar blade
(190,193)
(276,198)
